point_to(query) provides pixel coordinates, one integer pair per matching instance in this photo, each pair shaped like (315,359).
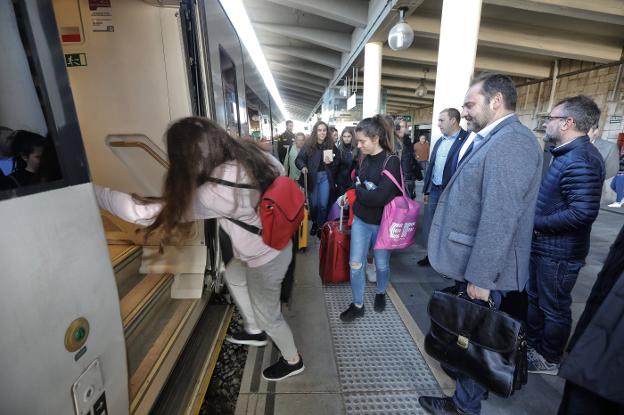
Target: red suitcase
(334,251)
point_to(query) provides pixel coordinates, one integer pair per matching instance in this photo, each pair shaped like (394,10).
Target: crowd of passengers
(500,219)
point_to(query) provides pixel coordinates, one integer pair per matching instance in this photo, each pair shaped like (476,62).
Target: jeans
(468,393)
(363,237)
(430,208)
(423,165)
(549,318)
(618,187)
(319,199)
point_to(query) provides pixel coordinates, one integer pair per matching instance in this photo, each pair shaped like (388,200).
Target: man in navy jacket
(567,206)
(441,166)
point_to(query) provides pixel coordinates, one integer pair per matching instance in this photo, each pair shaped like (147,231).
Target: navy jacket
(448,166)
(568,201)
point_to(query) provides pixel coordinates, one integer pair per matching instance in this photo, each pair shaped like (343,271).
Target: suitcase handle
(341,217)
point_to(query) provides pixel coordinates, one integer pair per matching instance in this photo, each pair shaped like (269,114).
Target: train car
(95,320)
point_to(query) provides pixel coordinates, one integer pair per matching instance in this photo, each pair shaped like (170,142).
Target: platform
(377,365)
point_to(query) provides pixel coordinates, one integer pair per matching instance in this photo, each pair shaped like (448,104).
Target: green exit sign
(75,59)
(407,118)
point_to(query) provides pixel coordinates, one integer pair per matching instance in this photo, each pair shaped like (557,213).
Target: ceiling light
(237,14)
(401,35)
(421,89)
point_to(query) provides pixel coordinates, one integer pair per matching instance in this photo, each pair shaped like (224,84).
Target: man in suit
(440,168)
(481,232)
(285,140)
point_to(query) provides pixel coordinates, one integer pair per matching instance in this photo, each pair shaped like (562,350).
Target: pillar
(459,33)
(372,79)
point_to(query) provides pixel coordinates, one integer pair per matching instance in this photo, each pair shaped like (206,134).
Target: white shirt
(483,133)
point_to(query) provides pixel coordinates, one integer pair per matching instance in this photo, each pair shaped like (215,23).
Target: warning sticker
(101,15)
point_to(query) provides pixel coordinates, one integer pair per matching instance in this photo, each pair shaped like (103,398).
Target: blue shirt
(441,156)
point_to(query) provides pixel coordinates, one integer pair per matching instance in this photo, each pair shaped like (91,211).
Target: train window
(33,101)
(230,93)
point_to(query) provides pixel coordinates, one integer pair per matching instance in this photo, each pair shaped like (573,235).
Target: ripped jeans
(363,237)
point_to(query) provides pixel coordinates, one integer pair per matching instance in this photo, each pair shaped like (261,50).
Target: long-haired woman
(199,152)
(346,149)
(373,191)
(318,159)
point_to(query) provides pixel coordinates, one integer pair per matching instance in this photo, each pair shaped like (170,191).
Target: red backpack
(280,211)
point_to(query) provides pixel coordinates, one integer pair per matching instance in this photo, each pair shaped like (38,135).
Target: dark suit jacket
(448,166)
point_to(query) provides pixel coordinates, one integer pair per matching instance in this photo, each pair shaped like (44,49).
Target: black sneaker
(352,313)
(282,369)
(439,406)
(242,337)
(424,262)
(380,302)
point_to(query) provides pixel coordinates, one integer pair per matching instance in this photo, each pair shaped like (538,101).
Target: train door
(62,345)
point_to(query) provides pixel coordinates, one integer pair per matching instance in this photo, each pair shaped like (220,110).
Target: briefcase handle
(489,302)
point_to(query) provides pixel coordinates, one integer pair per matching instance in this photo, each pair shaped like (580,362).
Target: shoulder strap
(250,228)
(392,178)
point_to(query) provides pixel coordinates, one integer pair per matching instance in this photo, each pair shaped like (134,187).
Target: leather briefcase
(479,341)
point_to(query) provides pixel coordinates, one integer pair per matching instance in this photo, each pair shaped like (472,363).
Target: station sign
(75,59)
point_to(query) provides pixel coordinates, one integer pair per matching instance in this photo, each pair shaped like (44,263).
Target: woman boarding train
(200,150)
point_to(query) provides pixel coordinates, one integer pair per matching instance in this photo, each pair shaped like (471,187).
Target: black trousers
(580,401)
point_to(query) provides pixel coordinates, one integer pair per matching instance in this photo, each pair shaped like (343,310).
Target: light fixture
(401,35)
(421,89)
(344,89)
(237,14)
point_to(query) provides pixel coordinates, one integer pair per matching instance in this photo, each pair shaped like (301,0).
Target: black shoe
(242,337)
(439,406)
(424,262)
(380,302)
(282,370)
(352,313)
(314,230)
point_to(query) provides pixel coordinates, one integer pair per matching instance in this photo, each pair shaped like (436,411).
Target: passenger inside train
(421,199)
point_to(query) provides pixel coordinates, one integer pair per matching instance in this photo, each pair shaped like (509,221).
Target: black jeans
(549,318)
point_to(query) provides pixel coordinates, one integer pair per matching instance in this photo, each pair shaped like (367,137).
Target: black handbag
(485,344)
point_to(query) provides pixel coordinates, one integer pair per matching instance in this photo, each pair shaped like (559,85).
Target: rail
(142,146)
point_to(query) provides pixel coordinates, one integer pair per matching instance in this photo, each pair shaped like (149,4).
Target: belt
(441,186)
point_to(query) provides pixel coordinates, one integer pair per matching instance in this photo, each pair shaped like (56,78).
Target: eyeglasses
(549,118)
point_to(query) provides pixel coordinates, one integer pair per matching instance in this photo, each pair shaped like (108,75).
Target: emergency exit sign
(407,118)
(75,59)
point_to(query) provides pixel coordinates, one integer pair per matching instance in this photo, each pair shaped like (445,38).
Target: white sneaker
(616,204)
(371,272)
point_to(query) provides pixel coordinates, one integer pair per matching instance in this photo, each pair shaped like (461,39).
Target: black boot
(424,262)
(439,406)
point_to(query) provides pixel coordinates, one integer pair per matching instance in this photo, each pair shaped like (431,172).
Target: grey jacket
(611,156)
(482,228)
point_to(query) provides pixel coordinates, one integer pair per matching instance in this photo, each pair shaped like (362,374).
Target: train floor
(377,364)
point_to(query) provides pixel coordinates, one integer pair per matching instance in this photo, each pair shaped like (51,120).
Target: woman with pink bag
(373,191)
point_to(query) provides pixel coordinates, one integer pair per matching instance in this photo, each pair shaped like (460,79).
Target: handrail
(142,146)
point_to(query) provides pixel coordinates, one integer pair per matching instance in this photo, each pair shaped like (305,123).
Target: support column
(372,79)
(456,56)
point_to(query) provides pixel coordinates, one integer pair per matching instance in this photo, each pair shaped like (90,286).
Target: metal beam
(292,90)
(337,41)
(322,56)
(409,93)
(531,39)
(351,12)
(307,89)
(489,61)
(300,76)
(602,11)
(403,100)
(302,67)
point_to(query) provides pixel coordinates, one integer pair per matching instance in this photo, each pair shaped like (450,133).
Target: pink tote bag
(397,229)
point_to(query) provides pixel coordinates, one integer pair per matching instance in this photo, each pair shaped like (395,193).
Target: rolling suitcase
(334,251)
(302,235)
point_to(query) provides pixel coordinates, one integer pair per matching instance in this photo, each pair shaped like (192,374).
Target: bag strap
(391,177)
(250,228)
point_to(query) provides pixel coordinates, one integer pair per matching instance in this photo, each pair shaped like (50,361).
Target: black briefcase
(479,341)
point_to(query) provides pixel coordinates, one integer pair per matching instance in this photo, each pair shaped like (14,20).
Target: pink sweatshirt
(212,200)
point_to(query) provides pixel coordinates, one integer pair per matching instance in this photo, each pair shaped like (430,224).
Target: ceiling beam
(322,56)
(531,39)
(403,83)
(338,41)
(489,61)
(351,12)
(602,11)
(302,67)
(310,79)
(292,90)
(408,93)
(403,100)
(311,88)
